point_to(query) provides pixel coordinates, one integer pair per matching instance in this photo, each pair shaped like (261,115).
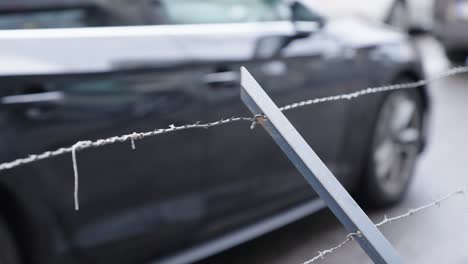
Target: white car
(403,14)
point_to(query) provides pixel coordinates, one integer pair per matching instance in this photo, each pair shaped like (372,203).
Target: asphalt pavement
(438,235)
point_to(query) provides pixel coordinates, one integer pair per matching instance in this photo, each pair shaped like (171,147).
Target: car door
(222,36)
(134,204)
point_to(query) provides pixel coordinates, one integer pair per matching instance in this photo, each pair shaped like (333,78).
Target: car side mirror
(305,21)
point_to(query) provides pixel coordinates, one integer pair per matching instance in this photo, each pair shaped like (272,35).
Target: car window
(144,12)
(222,11)
(45,19)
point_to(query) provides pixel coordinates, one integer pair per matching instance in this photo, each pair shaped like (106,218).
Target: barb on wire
(322,254)
(257,119)
(386,220)
(172,128)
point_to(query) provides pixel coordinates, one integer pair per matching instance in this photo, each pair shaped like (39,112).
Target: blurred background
(87,69)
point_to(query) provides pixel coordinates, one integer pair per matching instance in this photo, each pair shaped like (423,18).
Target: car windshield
(223,11)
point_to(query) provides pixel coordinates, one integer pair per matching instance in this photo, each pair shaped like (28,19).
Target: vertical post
(316,173)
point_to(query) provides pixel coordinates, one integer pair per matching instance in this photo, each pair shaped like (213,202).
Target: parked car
(183,196)
(451,28)
(406,15)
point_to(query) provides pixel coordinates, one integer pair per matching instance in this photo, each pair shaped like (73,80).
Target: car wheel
(394,149)
(399,16)
(8,252)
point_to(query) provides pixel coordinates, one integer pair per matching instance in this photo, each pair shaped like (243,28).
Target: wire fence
(387,220)
(81,145)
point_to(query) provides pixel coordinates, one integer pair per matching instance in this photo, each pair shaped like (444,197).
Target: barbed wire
(373,90)
(323,253)
(81,145)
(351,236)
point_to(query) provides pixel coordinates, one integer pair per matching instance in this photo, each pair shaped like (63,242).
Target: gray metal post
(316,173)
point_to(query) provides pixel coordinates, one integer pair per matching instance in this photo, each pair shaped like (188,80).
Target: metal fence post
(316,173)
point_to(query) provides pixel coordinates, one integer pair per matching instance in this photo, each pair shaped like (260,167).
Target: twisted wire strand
(373,90)
(350,237)
(323,253)
(80,145)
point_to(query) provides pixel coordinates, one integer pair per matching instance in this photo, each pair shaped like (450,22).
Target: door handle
(33,99)
(225,78)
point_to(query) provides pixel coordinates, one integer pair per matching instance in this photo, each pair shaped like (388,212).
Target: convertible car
(84,70)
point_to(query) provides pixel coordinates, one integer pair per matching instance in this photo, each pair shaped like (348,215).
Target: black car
(182,196)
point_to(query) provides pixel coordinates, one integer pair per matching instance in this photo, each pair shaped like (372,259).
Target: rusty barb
(258,119)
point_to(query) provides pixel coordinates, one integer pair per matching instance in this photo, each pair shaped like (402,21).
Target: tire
(394,148)
(399,16)
(9,251)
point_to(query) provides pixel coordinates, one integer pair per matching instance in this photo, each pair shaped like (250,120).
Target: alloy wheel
(396,143)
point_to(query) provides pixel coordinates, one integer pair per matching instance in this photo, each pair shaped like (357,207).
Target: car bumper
(454,36)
